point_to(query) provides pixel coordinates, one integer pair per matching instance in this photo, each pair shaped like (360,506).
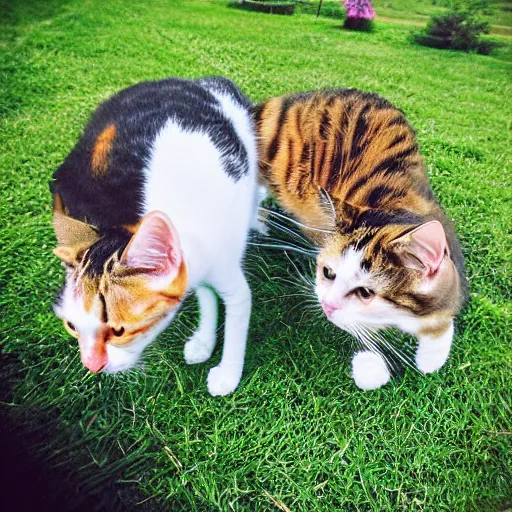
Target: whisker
(289,231)
(406,360)
(309,283)
(285,246)
(293,221)
(328,198)
(372,345)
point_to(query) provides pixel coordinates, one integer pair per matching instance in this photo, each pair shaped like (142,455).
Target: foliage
(286,7)
(458,29)
(359,9)
(359,15)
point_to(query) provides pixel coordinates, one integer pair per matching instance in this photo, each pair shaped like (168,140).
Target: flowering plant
(359,9)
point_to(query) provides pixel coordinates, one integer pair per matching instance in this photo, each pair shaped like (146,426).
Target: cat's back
(354,144)
(104,179)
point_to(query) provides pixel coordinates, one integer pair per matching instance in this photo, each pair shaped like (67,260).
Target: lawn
(297,435)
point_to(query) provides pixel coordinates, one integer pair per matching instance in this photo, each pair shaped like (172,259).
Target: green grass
(417,13)
(498,12)
(297,433)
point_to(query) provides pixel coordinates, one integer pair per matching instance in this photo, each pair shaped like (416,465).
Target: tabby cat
(346,164)
(143,213)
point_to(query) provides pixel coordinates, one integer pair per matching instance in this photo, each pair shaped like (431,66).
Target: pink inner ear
(155,246)
(428,245)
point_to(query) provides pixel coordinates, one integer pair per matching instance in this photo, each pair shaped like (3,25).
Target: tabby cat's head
(389,276)
(121,289)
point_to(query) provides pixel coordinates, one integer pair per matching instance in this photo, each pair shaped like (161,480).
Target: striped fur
(362,151)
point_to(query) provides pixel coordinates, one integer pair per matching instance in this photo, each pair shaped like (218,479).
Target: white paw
(429,361)
(222,381)
(369,370)
(197,350)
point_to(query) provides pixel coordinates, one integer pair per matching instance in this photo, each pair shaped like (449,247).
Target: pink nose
(329,309)
(95,363)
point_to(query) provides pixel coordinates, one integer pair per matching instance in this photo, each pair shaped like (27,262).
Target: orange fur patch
(101,150)
(131,228)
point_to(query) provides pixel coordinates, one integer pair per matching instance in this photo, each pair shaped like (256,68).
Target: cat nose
(94,364)
(93,353)
(329,309)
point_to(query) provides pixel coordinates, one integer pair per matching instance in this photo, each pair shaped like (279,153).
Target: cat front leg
(199,347)
(369,370)
(434,348)
(234,291)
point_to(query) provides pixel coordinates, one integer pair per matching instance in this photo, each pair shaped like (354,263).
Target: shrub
(457,29)
(360,14)
(271,7)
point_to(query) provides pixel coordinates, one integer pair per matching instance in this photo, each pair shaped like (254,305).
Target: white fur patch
(369,370)
(71,308)
(432,353)
(212,213)
(222,381)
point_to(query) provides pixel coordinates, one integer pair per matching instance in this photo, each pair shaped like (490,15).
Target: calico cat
(155,200)
(346,164)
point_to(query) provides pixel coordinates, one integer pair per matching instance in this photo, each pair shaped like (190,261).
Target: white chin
(111,368)
(120,359)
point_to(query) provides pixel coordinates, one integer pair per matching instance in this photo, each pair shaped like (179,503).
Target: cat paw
(197,350)
(222,381)
(369,370)
(429,361)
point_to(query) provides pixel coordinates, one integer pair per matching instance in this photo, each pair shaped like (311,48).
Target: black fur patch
(274,145)
(325,124)
(336,164)
(113,240)
(359,132)
(289,167)
(355,187)
(381,193)
(138,114)
(380,218)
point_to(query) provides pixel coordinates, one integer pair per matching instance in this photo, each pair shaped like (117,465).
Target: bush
(458,29)
(271,7)
(358,24)
(360,14)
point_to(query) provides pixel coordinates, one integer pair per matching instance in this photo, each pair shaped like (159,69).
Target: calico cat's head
(121,289)
(393,275)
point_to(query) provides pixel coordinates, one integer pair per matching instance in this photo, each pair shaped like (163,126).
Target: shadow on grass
(18,11)
(29,479)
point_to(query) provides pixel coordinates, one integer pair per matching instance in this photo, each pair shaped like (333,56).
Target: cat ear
(70,255)
(155,247)
(73,236)
(423,248)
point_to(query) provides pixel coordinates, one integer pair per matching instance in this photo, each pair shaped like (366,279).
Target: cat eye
(71,328)
(364,293)
(118,332)
(329,274)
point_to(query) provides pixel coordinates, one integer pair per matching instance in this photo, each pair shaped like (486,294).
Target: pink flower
(361,9)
